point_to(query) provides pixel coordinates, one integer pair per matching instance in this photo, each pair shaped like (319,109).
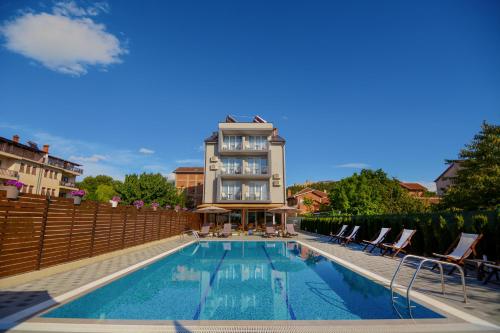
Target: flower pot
(12,192)
(155,208)
(77,200)
(114,204)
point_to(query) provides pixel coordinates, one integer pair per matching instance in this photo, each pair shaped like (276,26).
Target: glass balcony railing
(243,171)
(245,147)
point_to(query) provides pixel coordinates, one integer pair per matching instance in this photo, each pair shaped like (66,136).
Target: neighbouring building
(190,181)
(245,172)
(446,179)
(41,172)
(318,198)
(414,189)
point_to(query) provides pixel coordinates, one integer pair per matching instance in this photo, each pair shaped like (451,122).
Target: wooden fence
(37,232)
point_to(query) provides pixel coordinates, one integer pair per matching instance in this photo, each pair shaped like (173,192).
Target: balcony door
(257,142)
(231,165)
(257,191)
(232,142)
(257,165)
(231,190)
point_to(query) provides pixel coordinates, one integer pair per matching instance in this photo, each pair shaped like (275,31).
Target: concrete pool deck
(24,291)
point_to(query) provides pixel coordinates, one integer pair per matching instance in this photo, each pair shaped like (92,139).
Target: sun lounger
(376,241)
(226,231)
(345,240)
(463,247)
(403,241)
(205,231)
(290,230)
(270,232)
(341,232)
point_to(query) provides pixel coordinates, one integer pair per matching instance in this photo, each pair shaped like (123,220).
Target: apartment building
(190,181)
(41,172)
(245,172)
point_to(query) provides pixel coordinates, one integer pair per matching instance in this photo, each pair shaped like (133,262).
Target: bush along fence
(435,231)
(38,232)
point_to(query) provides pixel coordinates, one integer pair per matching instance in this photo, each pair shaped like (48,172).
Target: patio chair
(226,231)
(270,232)
(376,241)
(462,247)
(403,241)
(493,270)
(290,231)
(205,231)
(338,234)
(345,240)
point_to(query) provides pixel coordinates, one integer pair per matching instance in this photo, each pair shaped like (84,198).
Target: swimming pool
(240,280)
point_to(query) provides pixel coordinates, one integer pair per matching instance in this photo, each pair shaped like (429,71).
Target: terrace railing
(8,173)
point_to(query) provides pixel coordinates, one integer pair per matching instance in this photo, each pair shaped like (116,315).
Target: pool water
(241,281)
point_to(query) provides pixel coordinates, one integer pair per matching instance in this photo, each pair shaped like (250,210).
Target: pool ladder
(423,261)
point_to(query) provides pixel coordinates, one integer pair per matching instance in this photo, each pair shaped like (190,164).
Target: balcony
(239,172)
(244,148)
(246,198)
(67,184)
(65,165)
(23,153)
(6,173)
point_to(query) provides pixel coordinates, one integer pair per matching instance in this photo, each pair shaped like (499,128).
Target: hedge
(435,231)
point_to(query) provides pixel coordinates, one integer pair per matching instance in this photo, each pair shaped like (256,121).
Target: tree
(370,193)
(90,184)
(308,202)
(149,188)
(477,184)
(104,193)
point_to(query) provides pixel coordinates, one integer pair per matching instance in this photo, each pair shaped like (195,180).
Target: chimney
(275,131)
(46,149)
(15,138)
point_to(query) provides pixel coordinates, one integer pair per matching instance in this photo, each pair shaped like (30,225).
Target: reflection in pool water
(240,281)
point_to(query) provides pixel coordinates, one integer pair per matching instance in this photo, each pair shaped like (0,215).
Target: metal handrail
(424,260)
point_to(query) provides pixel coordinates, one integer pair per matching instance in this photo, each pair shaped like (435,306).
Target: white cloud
(170,176)
(66,41)
(353,165)
(146,151)
(189,161)
(93,158)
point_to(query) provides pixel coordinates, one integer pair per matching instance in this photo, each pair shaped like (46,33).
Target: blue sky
(125,86)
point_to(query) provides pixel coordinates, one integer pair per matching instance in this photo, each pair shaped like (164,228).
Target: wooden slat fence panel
(37,232)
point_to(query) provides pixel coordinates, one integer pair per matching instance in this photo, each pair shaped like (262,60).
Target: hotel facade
(40,172)
(245,173)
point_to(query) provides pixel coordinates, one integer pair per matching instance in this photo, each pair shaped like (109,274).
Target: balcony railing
(24,153)
(246,197)
(66,166)
(243,171)
(8,173)
(245,147)
(67,184)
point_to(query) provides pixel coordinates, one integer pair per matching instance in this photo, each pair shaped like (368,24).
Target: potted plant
(114,201)
(13,188)
(168,207)
(177,208)
(139,204)
(77,196)
(155,205)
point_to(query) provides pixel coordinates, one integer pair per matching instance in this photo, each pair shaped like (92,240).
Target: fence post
(42,233)
(93,229)
(124,226)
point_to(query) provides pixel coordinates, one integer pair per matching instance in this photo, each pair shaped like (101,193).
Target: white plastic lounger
(377,241)
(226,231)
(290,230)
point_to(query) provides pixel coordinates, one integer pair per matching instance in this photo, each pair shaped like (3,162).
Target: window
(28,169)
(257,142)
(257,166)
(21,168)
(55,174)
(53,192)
(43,191)
(231,142)
(231,165)
(30,189)
(231,190)
(33,170)
(257,191)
